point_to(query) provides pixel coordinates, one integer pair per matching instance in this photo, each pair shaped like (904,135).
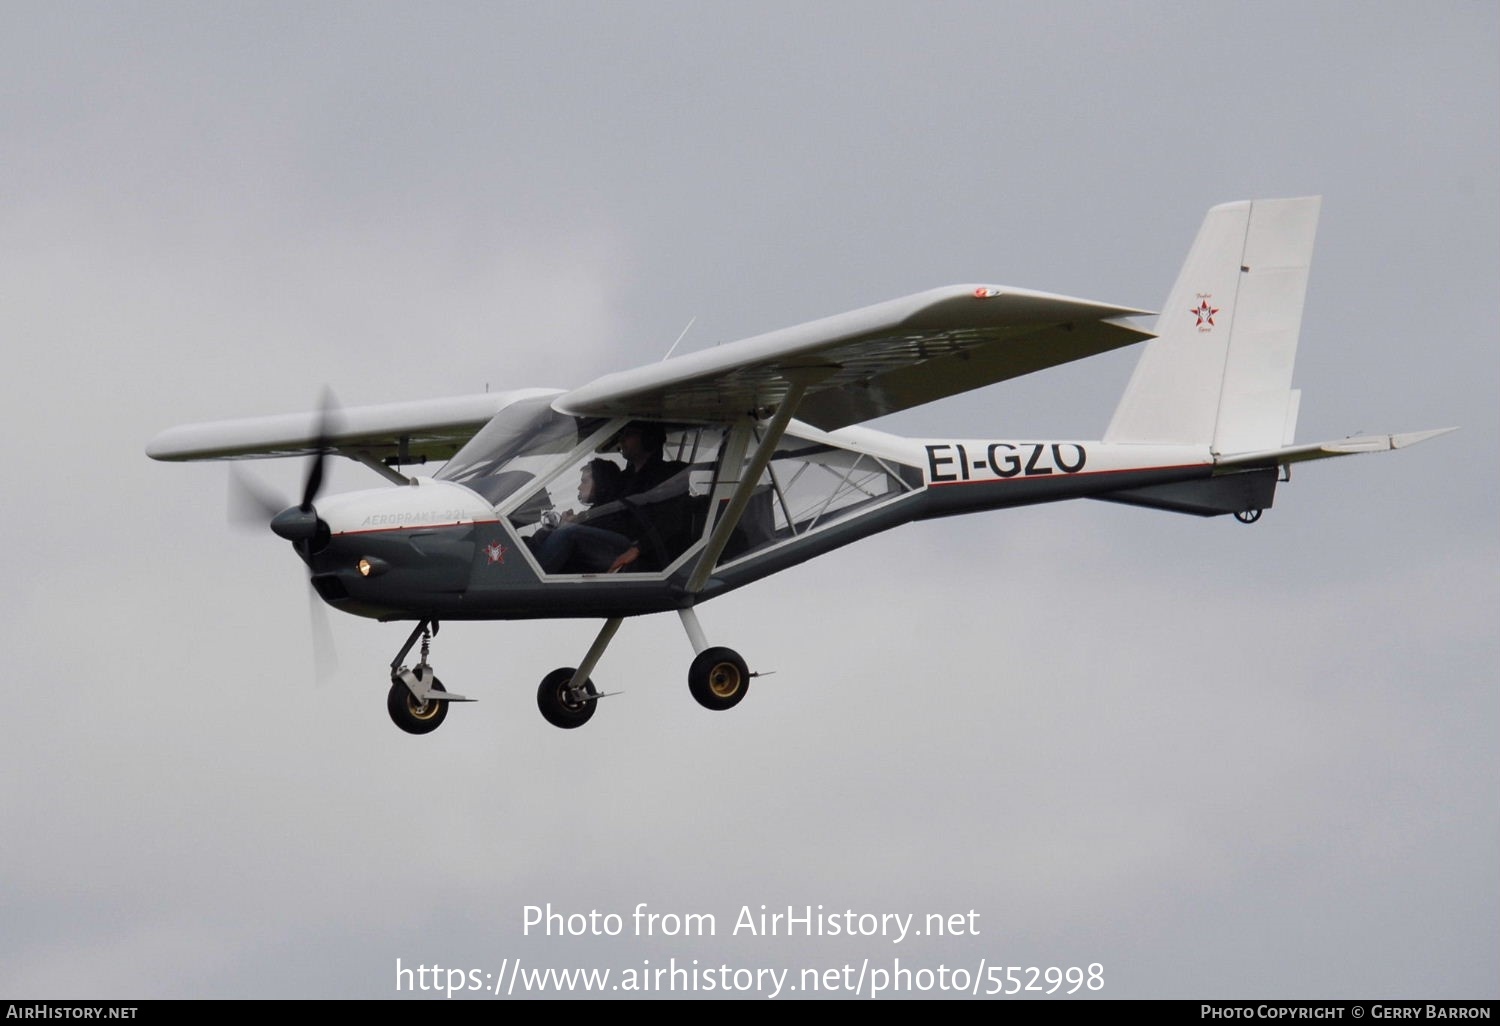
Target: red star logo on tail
(1204,311)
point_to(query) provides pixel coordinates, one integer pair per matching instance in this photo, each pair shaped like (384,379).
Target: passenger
(574,542)
(598,483)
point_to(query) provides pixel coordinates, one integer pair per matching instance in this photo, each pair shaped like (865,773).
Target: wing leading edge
(868,362)
(411,432)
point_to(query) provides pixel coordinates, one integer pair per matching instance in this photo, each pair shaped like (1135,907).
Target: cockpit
(600,496)
(582,491)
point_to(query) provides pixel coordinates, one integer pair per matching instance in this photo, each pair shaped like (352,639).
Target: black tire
(718,678)
(558,707)
(413,716)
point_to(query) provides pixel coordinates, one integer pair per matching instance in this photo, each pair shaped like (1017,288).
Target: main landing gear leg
(566,696)
(417,701)
(718,677)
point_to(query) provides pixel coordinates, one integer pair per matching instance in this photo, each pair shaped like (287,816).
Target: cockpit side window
(810,485)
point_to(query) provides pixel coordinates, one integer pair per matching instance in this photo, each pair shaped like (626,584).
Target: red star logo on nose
(1205,313)
(495,553)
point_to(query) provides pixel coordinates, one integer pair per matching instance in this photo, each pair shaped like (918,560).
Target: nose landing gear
(417,701)
(417,715)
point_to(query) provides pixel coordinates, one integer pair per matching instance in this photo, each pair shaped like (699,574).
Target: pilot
(641,443)
(612,535)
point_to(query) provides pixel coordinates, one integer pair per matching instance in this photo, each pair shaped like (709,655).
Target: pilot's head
(641,439)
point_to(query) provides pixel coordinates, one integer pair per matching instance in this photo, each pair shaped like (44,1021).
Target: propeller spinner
(300,523)
(252,503)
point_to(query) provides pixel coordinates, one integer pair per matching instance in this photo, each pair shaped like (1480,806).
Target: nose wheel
(416,715)
(417,701)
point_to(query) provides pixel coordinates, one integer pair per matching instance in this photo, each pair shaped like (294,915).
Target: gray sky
(1220,761)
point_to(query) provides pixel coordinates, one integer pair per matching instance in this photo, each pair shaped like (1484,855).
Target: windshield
(521,442)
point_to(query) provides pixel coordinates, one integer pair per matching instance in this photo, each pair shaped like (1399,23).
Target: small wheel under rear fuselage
(561,706)
(411,715)
(718,678)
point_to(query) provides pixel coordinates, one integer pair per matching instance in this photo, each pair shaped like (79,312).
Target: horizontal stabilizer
(1327,450)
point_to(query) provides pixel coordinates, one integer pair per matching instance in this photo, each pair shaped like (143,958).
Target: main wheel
(718,678)
(413,716)
(559,706)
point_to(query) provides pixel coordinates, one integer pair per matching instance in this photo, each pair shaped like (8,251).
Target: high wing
(853,367)
(869,362)
(409,432)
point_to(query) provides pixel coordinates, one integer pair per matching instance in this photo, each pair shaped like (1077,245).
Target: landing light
(370,566)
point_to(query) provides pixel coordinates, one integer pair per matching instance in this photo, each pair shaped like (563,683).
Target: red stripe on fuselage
(1063,475)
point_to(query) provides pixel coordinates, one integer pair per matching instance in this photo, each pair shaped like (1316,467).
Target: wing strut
(389,473)
(748,479)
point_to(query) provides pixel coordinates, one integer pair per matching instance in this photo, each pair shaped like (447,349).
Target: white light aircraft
(662,487)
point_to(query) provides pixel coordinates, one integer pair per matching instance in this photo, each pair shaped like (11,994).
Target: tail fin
(1219,371)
